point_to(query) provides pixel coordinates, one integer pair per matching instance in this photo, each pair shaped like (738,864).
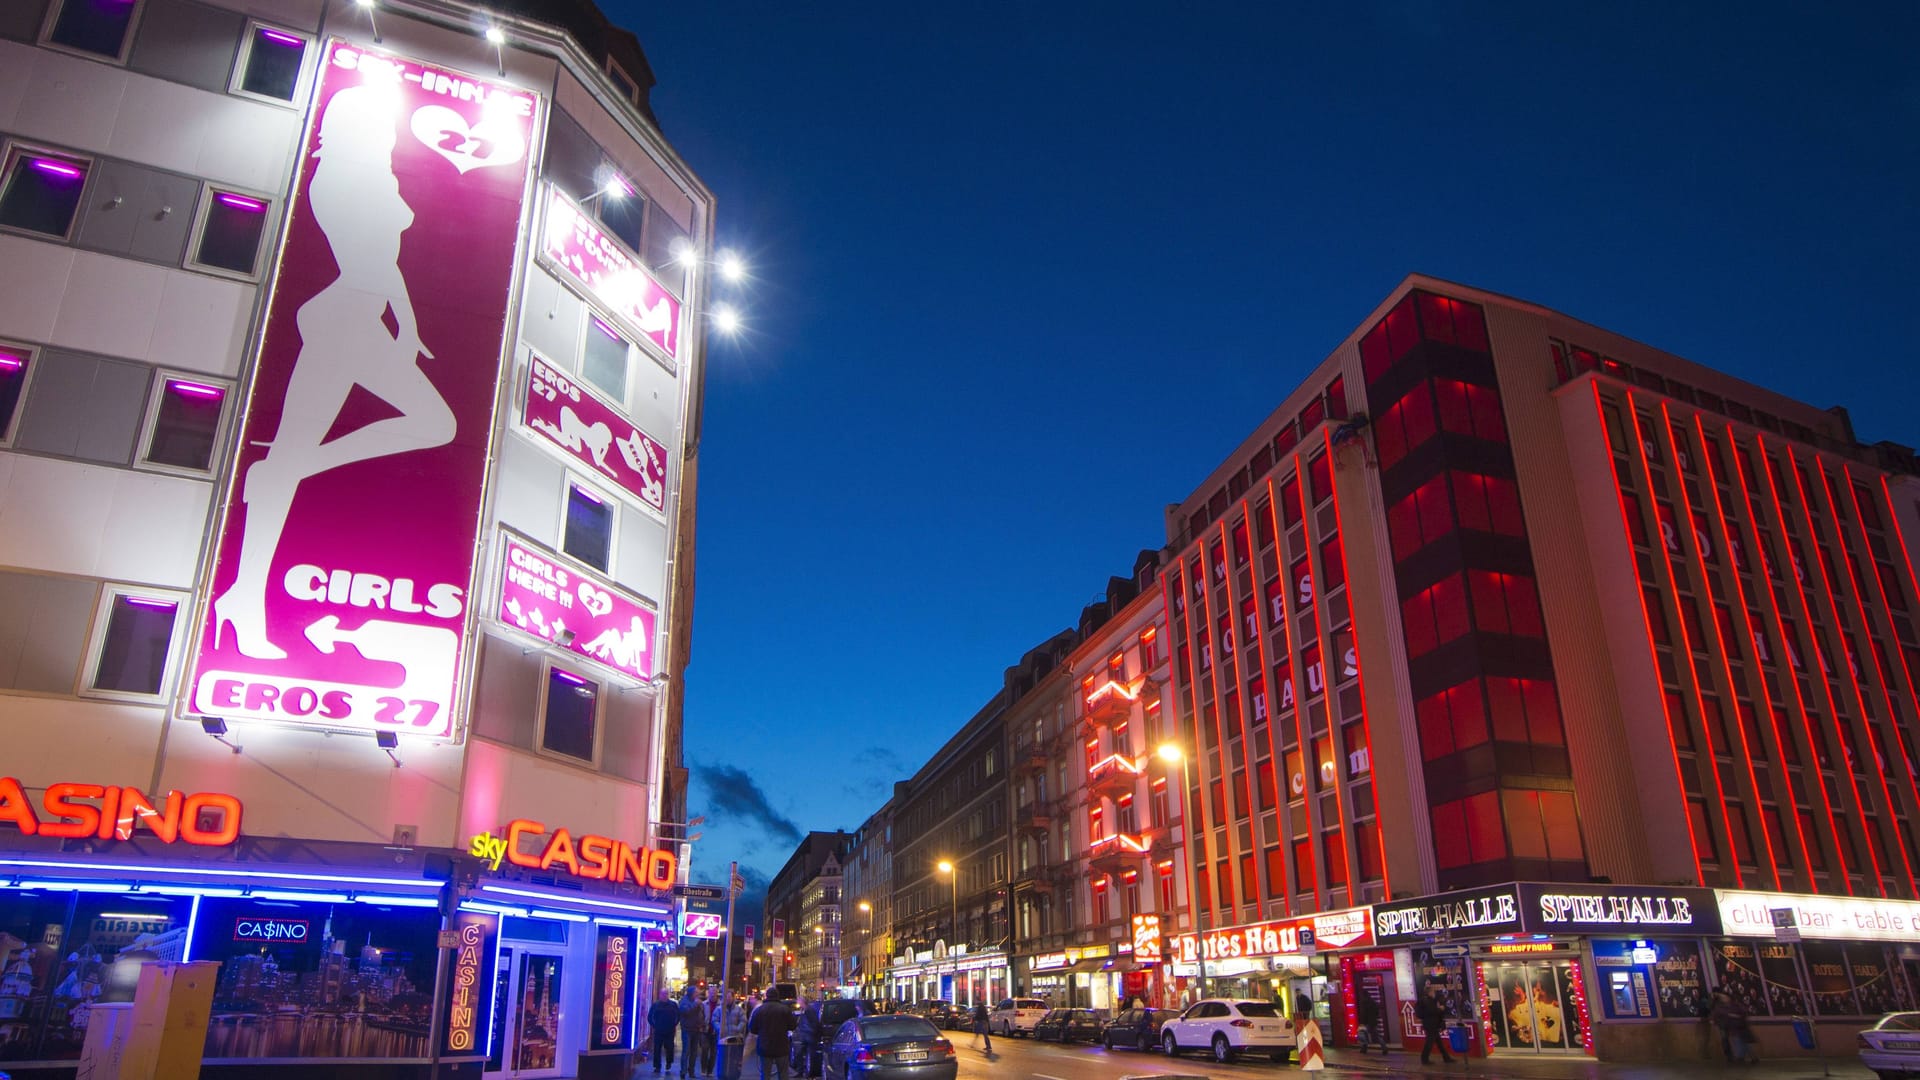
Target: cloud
(736,796)
(881,766)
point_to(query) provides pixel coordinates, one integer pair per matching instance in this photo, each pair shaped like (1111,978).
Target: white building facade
(350,367)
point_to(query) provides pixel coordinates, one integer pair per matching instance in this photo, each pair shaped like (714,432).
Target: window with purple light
(230,232)
(572,707)
(272,67)
(133,648)
(41,192)
(13,379)
(604,360)
(93,26)
(186,421)
(589,528)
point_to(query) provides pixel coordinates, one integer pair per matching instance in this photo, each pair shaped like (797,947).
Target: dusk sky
(1025,273)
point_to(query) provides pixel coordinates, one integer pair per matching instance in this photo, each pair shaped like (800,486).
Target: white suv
(1016,1016)
(1229,1027)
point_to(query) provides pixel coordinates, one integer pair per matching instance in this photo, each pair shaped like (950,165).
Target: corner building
(1498,598)
(350,377)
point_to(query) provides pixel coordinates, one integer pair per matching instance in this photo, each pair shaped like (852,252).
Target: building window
(604,360)
(98,27)
(269,64)
(622,83)
(133,633)
(231,226)
(569,713)
(40,193)
(623,211)
(589,527)
(14,364)
(184,424)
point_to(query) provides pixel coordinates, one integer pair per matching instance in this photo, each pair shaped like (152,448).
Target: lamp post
(946,867)
(866,944)
(1171,752)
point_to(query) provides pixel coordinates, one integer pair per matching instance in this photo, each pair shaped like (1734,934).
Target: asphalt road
(1024,1059)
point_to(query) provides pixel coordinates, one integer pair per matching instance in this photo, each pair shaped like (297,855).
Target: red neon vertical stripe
(1740,589)
(1196,801)
(1307,806)
(1227,911)
(1859,700)
(1720,644)
(1880,590)
(1325,641)
(1266,673)
(1780,633)
(1866,624)
(1806,612)
(1190,738)
(1685,660)
(1646,620)
(1240,686)
(1360,682)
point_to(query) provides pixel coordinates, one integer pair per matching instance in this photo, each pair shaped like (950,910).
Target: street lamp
(866,943)
(946,867)
(1170,753)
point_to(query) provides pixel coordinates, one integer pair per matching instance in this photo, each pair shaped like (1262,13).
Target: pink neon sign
(571,417)
(586,614)
(576,244)
(341,577)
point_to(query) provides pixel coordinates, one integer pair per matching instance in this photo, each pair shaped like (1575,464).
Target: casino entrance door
(1530,1003)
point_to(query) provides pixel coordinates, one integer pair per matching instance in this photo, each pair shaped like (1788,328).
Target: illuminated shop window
(569,714)
(40,192)
(231,226)
(14,365)
(132,637)
(93,26)
(589,527)
(269,64)
(604,359)
(184,423)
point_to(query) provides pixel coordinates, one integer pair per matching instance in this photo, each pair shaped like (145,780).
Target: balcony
(1118,853)
(1029,759)
(1033,817)
(1037,878)
(1110,702)
(1114,775)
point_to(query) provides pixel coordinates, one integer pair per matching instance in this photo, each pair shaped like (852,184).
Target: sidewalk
(1407,1063)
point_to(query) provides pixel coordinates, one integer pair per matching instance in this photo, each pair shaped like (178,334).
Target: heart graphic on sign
(596,601)
(493,141)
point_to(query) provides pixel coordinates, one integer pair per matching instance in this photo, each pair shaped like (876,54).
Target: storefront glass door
(527,1015)
(1530,1005)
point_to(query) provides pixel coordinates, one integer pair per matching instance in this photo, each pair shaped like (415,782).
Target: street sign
(701,892)
(1785,927)
(449,939)
(1448,950)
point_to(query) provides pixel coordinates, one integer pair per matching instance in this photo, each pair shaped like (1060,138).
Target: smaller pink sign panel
(550,599)
(595,434)
(576,244)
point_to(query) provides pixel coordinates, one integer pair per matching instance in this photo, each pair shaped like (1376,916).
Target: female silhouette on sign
(358,331)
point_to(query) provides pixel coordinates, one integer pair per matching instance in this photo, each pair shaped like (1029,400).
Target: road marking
(1044,1076)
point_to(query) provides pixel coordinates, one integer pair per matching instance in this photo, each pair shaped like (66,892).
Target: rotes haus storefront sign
(1279,937)
(343,567)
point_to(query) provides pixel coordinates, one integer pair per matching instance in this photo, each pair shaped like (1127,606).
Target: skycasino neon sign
(595,858)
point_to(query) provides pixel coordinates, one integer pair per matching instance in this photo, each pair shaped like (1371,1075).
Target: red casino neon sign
(179,816)
(596,858)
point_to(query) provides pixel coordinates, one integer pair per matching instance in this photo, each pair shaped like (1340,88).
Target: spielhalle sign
(1548,908)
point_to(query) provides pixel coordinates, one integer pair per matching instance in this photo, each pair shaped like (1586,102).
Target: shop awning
(1088,965)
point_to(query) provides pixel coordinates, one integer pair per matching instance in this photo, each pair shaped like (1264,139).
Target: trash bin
(1803,1031)
(1457,1038)
(729,1063)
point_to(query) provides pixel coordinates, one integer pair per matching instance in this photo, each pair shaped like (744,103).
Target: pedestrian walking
(716,1008)
(662,1020)
(772,1029)
(980,1025)
(1736,1033)
(1703,1009)
(693,1033)
(1368,1015)
(1433,1017)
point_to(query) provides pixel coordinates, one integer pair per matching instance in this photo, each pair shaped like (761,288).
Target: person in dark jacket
(1368,1017)
(980,1025)
(662,1020)
(693,1032)
(772,1031)
(1433,1017)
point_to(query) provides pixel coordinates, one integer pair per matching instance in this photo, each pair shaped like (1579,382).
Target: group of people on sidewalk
(743,1025)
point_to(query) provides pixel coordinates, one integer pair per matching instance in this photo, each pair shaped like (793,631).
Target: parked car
(1891,1048)
(898,1046)
(815,1028)
(1068,1025)
(878,1006)
(1138,1028)
(943,1014)
(1016,1016)
(1228,1027)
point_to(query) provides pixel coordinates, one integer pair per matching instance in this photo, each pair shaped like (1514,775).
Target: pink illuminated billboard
(344,564)
(552,599)
(593,433)
(576,245)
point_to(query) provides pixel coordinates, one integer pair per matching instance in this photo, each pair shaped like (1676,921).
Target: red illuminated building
(1592,614)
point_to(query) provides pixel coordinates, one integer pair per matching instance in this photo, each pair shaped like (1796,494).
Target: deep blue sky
(1027,271)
